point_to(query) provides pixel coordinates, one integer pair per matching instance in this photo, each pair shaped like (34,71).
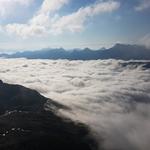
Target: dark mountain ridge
(26,125)
(119,51)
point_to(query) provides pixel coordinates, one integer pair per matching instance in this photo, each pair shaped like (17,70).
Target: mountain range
(118,51)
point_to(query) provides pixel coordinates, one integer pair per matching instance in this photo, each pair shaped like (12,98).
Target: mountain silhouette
(119,51)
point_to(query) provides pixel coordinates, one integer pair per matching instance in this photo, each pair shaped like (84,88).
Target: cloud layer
(113,100)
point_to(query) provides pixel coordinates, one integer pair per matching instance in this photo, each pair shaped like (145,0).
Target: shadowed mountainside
(135,64)
(25,125)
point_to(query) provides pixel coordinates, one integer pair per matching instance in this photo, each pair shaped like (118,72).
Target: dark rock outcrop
(135,64)
(25,125)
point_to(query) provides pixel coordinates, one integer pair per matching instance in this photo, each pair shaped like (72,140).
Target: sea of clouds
(113,100)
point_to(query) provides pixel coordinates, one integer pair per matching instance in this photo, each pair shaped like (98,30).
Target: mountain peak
(1,82)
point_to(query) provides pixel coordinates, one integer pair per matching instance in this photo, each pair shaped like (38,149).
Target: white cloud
(75,21)
(143,4)
(45,21)
(39,24)
(113,100)
(7,6)
(49,6)
(145,40)
(25,30)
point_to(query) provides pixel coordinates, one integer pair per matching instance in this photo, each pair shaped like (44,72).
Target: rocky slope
(26,125)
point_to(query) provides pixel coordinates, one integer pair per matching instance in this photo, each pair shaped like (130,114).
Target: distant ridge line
(118,51)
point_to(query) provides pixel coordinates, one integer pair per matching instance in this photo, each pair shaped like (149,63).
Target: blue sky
(35,24)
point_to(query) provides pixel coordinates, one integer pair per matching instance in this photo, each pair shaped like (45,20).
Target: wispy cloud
(40,23)
(45,21)
(7,6)
(143,4)
(145,40)
(49,6)
(75,21)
